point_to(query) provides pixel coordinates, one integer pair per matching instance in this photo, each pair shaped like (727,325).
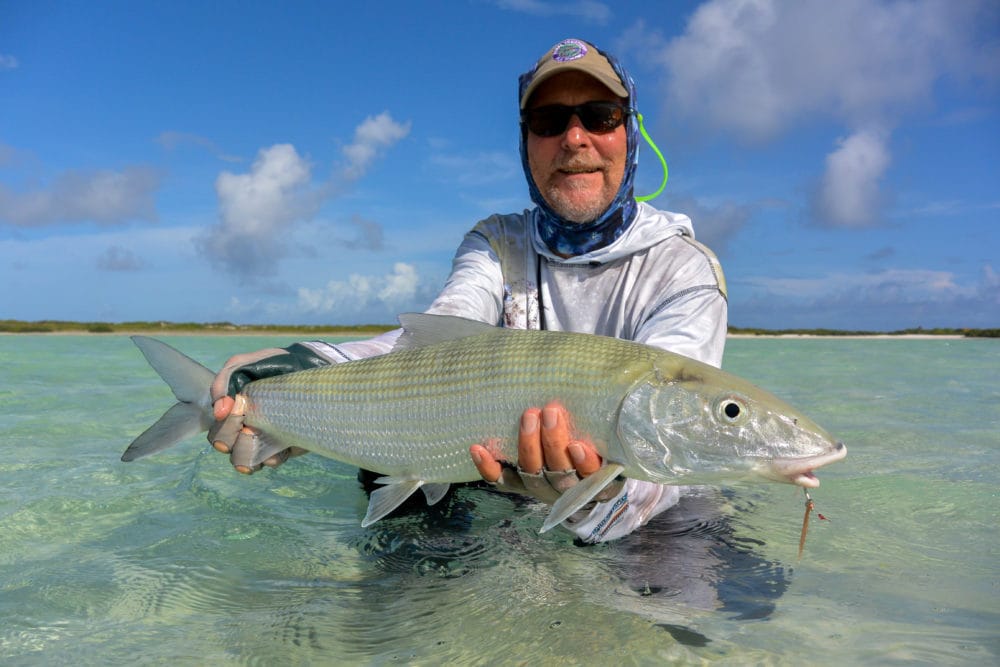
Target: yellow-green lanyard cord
(663,161)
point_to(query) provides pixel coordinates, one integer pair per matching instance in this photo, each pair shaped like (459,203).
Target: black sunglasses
(597,117)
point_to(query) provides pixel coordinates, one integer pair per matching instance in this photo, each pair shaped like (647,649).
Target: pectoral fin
(581,494)
(266,449)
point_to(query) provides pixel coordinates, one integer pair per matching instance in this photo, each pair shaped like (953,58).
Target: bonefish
(412,414)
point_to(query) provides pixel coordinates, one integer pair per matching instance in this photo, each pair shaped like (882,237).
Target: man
(588,258)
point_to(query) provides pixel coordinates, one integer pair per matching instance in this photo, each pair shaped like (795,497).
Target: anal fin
(580,494)
(266,448)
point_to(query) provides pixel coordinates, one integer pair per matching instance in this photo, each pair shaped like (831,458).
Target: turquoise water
(177,559)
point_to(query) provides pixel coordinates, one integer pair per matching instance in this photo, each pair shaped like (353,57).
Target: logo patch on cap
(569,50)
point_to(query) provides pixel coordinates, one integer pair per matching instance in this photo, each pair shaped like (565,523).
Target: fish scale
(415,414)
(412,415)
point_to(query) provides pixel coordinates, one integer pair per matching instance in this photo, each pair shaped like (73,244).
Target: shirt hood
(573,238)
(649,226)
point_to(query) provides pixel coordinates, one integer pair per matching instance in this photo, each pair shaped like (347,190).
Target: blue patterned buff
(567,238)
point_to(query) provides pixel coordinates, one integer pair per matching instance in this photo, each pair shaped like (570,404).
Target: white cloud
(756,67)
(375,135)
(102,196)
(849,193)
(261,210)
(8,62)
(891,299)
(274,193)
(358,292)
(258,208)
(715,224)
(759,68)
(400,286)
(890,286)
(989,286)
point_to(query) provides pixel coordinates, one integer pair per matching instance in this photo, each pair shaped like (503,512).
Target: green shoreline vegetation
(228,328)
(916,331)
(221,328)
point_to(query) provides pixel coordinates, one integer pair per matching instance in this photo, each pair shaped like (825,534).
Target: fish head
(687,422)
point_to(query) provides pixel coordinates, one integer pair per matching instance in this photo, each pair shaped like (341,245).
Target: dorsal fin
(423,329)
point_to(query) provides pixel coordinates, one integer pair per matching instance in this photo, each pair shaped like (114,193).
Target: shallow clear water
(179,559)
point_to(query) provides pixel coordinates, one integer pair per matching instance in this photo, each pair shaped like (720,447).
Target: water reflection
(686,561)
(691,557)
(420,583)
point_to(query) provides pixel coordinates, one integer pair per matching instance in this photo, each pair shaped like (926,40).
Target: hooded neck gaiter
(564,237)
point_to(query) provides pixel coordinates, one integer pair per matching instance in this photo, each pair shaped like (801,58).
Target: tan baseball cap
(578,55)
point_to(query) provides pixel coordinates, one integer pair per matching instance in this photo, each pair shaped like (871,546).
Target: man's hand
(550,460)
(228,435)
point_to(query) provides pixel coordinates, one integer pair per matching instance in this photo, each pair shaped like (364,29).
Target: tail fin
(190,382)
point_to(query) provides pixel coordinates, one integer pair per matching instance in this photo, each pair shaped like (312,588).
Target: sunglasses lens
(596,117)
(601,118)
(548,121)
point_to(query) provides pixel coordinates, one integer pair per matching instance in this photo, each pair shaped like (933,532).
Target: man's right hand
(228,435)
(550,460)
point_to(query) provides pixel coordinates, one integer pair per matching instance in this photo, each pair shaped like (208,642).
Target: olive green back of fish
(414,413)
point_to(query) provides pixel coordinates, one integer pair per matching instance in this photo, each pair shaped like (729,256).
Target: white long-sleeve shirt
(655,284)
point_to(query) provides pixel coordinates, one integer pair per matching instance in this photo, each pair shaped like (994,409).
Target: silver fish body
(414,413)
(411,415)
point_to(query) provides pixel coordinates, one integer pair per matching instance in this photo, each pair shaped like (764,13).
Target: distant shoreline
(340,334)
(354,334)
(67,328)
(243,331)
(886,336)
(304,332)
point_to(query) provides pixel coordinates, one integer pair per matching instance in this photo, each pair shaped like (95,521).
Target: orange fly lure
(810,506)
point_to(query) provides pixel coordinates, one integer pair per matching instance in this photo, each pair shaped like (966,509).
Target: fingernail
(221,407)
(529,422)
(477,458)
(576,453)
(550,417)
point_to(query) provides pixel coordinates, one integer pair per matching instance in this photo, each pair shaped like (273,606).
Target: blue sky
(319,162)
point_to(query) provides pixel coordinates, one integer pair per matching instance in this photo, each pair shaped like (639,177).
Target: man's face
(577,172)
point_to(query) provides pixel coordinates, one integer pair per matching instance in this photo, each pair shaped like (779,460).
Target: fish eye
(732,410)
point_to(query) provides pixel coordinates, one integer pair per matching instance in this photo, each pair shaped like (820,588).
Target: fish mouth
(800,471)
